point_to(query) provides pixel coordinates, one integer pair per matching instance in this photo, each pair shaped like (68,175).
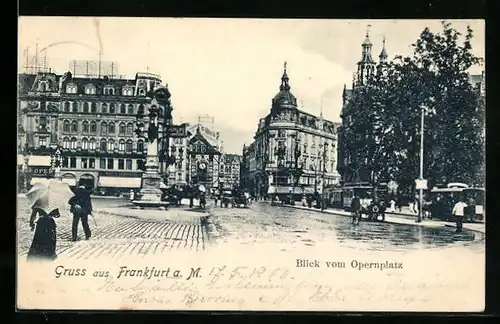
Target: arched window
(71,88)
(104,108)
(130,109)
(122,129)
(66,106)
(104,128)
(140,146)
(111,128)
(86,107)
(130,129)
(75,107)
(160,111)
(128,146)
(140,110)
(74,126)
(123,109)
(93,107)
(85,144)
(74,143)
(92,144)
(121,146)
(66,143)
(66,126)
(102,147)
(112,108)
(85,127)
(111,145)
(93,127)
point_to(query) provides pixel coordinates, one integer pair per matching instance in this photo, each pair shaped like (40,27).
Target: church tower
(383,62)
(366,66)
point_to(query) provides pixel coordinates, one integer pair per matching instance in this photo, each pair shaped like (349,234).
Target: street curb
(195,218)
(426,224)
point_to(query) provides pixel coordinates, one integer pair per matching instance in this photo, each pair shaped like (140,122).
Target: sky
(230,68)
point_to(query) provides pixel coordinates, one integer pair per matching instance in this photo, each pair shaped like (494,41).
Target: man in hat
(81,207)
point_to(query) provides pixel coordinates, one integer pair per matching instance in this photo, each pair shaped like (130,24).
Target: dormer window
(71,88)
(109,91)
(43,86)
(142,92)
(128,91)
(90,89)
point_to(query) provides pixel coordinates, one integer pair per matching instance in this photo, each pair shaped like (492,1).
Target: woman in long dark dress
(43,246)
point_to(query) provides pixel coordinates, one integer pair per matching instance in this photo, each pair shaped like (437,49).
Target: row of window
(104,108)
(105,128)
(90,163)
(90,89)
(104,145)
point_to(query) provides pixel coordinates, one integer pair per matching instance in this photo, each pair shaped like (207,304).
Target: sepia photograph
(251,164)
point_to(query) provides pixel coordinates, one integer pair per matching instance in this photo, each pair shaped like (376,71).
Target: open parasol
(49,195)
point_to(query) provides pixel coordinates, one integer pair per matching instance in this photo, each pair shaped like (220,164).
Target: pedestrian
(356,210)
(43,246)
(81,208)
(471,209)
(203,201)
(458,213)
(215,199)
(309,201)
(132,194)
(436,207)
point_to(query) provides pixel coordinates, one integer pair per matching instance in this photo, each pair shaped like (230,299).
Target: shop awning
(70,181)
(39,160)
(120,182)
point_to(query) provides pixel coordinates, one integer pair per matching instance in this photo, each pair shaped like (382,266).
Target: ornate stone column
(151,179)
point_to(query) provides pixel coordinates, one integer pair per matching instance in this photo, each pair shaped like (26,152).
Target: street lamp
(26,160)
(424,110)
(325,148)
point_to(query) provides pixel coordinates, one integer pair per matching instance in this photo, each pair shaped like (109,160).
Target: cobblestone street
(117,237)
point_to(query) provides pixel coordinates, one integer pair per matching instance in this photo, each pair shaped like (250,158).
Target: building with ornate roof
(91,119)
(292,151)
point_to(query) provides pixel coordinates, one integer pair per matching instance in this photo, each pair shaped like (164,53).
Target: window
(112,108)
(89,89)
(140,146)
(42,141)
(71,88)
(128,146)
(85,144)
(66,106)
(91,163)
(66,126)
(75,107)
(102,147)
(74,143)
(85,127)
(121,146)
(128,164)
(111,145)
(122,129)
(74,127)
(109,91)
(93,127)
(142,92)
(102,163)
(130,129)
(84,163)
(130,109)
(104,127)
(121,164)
(140,110)
(66,143)
(92,144)
(65,162)
(111,164)
(93,107)
(104,108)
(86,107)
(138,164)
(123,109)
(72,162)
(111,128)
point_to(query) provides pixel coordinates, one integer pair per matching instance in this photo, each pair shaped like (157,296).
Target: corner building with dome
(293,151)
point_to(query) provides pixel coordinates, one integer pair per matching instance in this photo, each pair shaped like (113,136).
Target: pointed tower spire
(383,54)
(366,65)
(284,80)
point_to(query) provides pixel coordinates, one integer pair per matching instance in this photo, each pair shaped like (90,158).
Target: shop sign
(41,171)
(120,174)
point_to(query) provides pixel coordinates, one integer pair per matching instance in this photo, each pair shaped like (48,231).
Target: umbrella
(202,188)
(49,195)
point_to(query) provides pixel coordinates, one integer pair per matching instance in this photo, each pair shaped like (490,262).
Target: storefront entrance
(87,180)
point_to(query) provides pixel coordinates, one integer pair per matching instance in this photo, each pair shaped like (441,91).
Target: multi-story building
(198,158)
(352,172)
(292,151)
(91,119)
(231,167)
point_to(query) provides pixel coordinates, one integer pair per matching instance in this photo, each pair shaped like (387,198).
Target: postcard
(251,164)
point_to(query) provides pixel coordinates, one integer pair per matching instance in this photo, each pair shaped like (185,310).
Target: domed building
(293,151)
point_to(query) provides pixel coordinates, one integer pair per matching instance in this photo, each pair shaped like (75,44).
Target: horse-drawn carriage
(235,198)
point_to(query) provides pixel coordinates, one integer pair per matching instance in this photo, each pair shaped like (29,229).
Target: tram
(363,191)
(449,197)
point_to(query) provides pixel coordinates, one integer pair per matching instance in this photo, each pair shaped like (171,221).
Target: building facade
(293,151)
(91,120)
(353,173)
(231,170)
